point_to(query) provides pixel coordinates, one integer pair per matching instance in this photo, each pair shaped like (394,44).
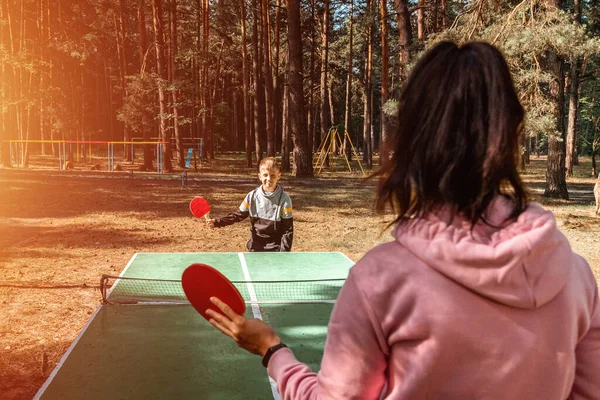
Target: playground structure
(66,152)
(192,145)
(329,148)
(73,151)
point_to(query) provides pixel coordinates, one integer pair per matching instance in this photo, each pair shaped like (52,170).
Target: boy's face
(269,177)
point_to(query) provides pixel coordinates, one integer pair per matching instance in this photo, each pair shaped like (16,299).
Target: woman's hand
(252,335)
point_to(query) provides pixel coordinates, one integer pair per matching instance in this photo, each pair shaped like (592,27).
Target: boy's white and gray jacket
(271,218)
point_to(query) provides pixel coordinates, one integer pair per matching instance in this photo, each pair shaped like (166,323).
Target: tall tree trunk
(522,145)
(82,109)
(595,139)
(331,101)
(259,93)
(174,76)
(15,86)
(285,131)
(142,52)
(12,120)
(444,15)
(18,39)
(383,152)
(160,70)
(50,69)
(277,75)
(42,74)
(312,112)
(324,118)
(100,120)
(197,76)
(571,146)
(268,79)
(108,89)
(121,37)
(556,184)
(206,121)
(349,74)
(3,93)
(528,150)
(367,150)
(421,20)
(246,87)
(404,35)
(20,81)
(302,153)
(237,123)
(28,100)
(434,20)
(213,97)
(571,155)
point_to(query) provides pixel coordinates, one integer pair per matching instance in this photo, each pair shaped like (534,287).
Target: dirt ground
(60,231)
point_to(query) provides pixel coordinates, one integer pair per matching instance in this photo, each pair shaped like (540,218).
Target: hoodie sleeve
(587,356)
(287,223)
(354,361)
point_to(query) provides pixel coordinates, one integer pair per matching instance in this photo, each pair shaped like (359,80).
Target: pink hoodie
(444,312)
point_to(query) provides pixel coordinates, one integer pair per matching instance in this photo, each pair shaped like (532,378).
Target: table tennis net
(126,290)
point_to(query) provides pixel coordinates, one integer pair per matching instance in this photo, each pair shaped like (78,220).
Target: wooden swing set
(330,145)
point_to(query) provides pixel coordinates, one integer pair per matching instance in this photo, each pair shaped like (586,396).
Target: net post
(103,281)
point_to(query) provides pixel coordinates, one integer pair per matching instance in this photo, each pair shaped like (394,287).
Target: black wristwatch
(270,352)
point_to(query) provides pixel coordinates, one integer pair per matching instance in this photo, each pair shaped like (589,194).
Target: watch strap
(270,352)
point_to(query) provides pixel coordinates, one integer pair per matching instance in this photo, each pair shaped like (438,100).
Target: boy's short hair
(269,163)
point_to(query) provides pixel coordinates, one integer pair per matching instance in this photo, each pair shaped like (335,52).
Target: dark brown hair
(459,122)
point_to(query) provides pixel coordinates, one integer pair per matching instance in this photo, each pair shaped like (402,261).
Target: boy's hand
(210,223)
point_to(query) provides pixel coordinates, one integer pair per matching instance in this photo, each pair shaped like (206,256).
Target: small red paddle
(200,207)
(201,282)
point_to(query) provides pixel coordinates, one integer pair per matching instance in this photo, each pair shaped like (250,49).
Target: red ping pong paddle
(199,207)
(201,282)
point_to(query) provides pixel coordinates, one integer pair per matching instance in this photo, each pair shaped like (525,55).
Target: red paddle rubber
(201,282)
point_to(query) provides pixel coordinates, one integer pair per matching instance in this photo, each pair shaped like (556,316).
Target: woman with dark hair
(479,295)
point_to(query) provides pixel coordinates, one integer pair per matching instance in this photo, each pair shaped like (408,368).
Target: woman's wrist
(267,344)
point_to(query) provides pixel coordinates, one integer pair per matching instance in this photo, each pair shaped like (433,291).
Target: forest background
(271,77)
(250,78)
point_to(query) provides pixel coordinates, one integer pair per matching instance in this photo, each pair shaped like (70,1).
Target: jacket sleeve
(231,218)
(238,215)
(287,222)
(354,361)
(586,385)
(288,234)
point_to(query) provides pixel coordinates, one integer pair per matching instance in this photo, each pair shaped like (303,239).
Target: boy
(270,212)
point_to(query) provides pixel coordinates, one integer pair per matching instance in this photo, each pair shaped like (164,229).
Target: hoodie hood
(271,195)
(522,264)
